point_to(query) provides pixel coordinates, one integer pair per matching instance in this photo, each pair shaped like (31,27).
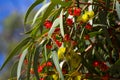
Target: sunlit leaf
(57,65)
(61,24)
(20,63)
(118,9)
(55,24)
(40,11)
(62,3)
(46,14)
(14,68)
(31,8)
(35,64)
(93,34)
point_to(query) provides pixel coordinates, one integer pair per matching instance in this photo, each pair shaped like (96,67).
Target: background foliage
(71,40)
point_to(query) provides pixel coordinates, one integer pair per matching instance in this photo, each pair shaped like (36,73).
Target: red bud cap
(66,37)
(70,11)
(96,63)
(31,71)
(49,64)
(88,26)
(48,24)
(87,37)
(40,68)
(58,43)
(77,12)
(42,79)
(48,46)
(69,22)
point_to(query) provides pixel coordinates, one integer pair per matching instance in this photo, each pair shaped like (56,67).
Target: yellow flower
(78,77)
(55,77)
(90,14)
(61,52)
(85,18)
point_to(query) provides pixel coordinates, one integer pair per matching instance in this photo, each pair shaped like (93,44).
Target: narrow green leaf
(31,8)
(13,70)
(61,24)
(21,62)
(16,50)
(92,34)
(46,57)
(31,52)
(82,32)
(46,14)
(40,11)
(57,65)
(62,3)
(117,62)
(35,64)
(118,9)
(55,23)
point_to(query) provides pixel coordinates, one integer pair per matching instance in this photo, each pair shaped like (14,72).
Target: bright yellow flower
(78,77)
(90,14)
(85,18)
(55,77)
(61,52)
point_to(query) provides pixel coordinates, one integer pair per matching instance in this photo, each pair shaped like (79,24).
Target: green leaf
(13,70)
(57,65)
(55,23)
(15,50)
(92,34)
(40,11)
(20,63)
(46,57)
(62,3)
(35,64)
(61,24)
(115,68)
(46,14)
(117,62)
(118,9)
(82,32)
(31,52)
(31,8)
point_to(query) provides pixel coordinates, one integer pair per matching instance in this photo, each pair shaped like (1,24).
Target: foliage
(71,40)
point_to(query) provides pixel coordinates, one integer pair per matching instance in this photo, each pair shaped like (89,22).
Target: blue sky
(7,7)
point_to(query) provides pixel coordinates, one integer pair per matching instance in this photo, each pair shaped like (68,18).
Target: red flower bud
(96,63)
(31,71)
(58,43)
(48,46)
(77,12)
(86,37)
(48,24)
(66,37)
(49,64)
(73,43)
(40,68)
(69,21)
(42,79)
(64,71)
(25,61)
(88,26)
(57,30)
(70,11)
